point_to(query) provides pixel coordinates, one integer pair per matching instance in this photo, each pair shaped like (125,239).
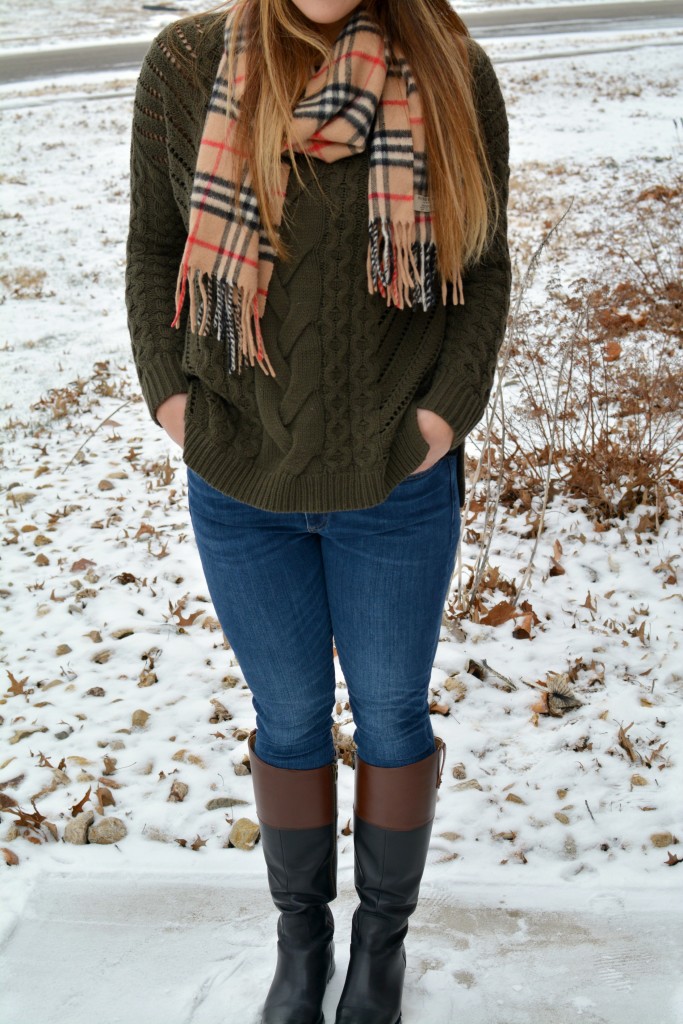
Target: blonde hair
(282,46)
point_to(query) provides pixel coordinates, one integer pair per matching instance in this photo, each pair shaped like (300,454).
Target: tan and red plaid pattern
(364,96)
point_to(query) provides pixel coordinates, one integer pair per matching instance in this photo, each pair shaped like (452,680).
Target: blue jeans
(284,583)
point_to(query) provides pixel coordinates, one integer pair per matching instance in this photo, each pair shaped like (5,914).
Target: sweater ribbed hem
(159,379)
(321,492)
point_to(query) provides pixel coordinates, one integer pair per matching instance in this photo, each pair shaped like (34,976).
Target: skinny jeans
(287,585)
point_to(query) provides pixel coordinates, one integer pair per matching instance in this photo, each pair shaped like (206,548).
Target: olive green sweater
(337,427)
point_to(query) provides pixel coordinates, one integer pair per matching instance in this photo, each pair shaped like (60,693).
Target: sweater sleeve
(155,244)
(461,382)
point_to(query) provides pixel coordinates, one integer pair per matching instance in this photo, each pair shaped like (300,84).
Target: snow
(567,919)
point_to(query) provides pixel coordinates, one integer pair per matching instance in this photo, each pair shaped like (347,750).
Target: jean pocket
(423,472)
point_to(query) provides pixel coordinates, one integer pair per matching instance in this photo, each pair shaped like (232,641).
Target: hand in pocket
(171,415)
(437,433)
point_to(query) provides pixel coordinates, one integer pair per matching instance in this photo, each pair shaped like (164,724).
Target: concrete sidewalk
(129,948)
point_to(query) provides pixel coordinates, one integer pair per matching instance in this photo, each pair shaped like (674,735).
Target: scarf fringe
(403,270)
(224,307)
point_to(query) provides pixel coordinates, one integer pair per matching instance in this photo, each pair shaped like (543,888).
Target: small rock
(241,769)
(244,834)
(240,734)
(561,793)
(459,771)
(105,485)
(187,757)
(117,745)
(76,830)
(661,839)
(140,719)
(157,835)
(570,850)
(470,784)
(562,817)
(102,657)
(95,691)
(147,678)
(219,802)
(179,791)
(514,799)
(11,833)
(94,635)
(638,780)
(42,559)
(107,830)
(63,649)
(41,540)
(228,682)
(121,634)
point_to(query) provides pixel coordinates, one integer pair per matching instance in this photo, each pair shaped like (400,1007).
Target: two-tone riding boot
(297,812)
(393,815)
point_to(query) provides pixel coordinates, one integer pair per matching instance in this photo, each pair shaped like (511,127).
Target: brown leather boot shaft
(292,797)
(399,798)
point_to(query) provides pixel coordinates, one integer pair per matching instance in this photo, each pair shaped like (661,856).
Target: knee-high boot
(297,812)
(393,814)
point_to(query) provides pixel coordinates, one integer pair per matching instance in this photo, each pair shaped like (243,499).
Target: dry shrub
(597,376)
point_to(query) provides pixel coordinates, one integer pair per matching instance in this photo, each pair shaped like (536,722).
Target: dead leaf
(522,630)
(12,859)
(81,565)
(16,687)
(499,614)
(221,713)
(77,808)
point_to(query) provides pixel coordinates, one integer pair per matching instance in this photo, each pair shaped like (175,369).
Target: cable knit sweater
(337,427)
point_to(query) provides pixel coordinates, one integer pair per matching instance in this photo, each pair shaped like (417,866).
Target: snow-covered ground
(554,885)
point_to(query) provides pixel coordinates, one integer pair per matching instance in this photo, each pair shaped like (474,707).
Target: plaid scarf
(365,96)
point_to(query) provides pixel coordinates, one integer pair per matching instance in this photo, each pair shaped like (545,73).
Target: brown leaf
(673,859)
(625,742)
(220,713)
(11,857)
(522,630)
(198,843)
(111,783)
(125,577)
(17,685)
(105,798)
(500,613)
(613,350)
(81,565)
(541,705)
(77,808)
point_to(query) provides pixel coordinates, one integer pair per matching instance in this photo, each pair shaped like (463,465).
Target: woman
(317,284)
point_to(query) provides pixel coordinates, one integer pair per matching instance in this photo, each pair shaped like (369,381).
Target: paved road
(127,55)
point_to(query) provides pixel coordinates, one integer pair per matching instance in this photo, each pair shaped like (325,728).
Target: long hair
(282,46)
